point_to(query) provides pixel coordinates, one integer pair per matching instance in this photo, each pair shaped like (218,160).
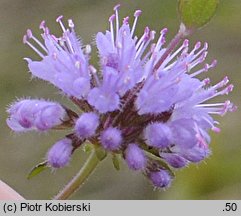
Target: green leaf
(100,153)
(116,161)
(37,169)
(196,13)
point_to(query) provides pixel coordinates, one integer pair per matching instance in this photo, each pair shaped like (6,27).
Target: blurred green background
(219,177)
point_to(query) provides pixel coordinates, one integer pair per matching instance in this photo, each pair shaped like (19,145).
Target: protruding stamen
(42,25)
(77,64)
(206,81)
(186,43)
(161,39)
(221,83)
(150,36)
(136,15)
(59,20)
(116,8)
(32,46)
(88,49)
(93,71)
(205,69)
(25,38)
(111,19)
(142,39)
(31,36)
(71,23)
(29,33)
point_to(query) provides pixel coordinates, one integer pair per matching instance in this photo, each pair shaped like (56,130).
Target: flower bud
(196,154)
(174,160)
(161,178)
(158,135)
(135,157)
(111,139)
(59,154)
(34,115)
(86,125)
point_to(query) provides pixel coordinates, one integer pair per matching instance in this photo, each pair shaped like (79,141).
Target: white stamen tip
(42,25)
(206,67)
(92,69)
(207,81)
(186,43)
(77,64)
(152,35)
(205,45)
(198,45)
(25,39)
(29,33)
(71,23)
(116,7)
(112,17)
(216,129)
(225,80)
(59,18)
(137,13)
(214,63)
(230,88)
(164,31)
(88,49)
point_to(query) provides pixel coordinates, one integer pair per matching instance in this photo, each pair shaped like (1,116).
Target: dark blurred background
(219,177)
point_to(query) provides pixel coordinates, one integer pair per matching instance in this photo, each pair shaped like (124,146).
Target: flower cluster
(153,113)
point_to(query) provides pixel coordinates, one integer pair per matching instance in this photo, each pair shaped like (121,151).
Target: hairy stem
(80,177)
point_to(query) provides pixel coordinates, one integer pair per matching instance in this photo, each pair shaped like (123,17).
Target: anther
(71,23)
(112,17)
(29,33)
(137,13)
(42,25)
(59,18)
(116,7)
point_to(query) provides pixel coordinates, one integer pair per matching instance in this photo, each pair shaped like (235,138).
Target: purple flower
(122,59)
(135,157)
(86,125)
(174,160)
(161,178)
(158,135)
(146,103)
(111,139)
(59,154)
(30,114)
(63,63)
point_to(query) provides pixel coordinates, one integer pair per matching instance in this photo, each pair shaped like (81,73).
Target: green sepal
(88,147)
(116,161)
(100,153)
(37,169)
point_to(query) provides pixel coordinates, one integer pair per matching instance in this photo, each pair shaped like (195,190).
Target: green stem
(80,177)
